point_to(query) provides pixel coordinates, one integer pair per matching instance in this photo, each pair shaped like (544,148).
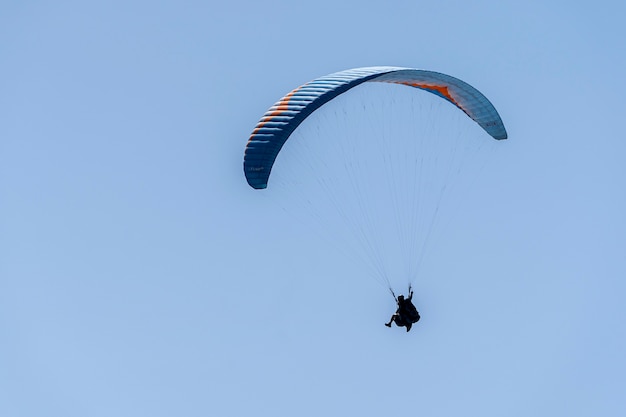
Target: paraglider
(282,119)
(406,314)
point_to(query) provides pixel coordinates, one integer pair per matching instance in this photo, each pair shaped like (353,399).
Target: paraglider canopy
(279,122)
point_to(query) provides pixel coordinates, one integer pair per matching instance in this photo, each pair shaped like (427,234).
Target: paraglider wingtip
(257,185)
(501,135)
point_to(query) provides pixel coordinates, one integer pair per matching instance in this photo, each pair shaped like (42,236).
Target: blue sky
(140,275)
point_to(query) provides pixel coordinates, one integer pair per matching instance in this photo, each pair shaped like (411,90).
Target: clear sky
(141,276)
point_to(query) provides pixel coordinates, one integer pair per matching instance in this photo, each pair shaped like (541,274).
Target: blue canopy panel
(279,122)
